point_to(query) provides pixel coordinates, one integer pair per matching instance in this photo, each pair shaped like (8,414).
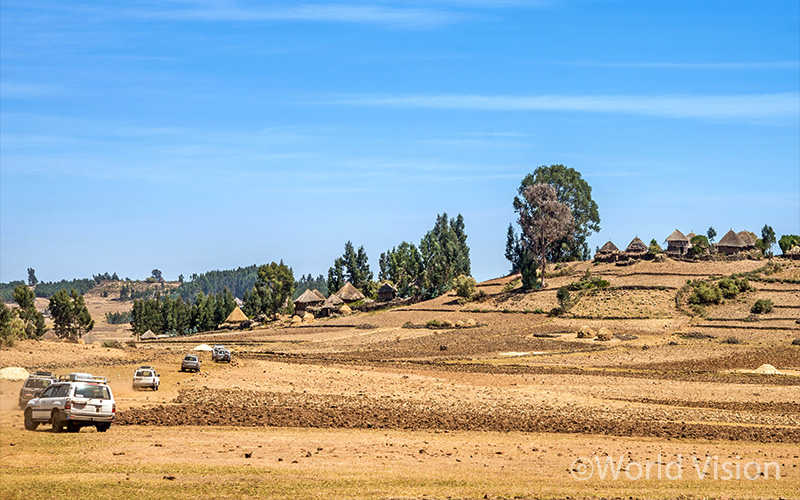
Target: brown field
(517,406)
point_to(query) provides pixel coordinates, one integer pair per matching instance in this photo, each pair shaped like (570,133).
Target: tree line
(165,314)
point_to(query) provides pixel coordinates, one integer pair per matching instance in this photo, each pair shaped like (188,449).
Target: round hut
(677,243)
(607,253)
(386,292)
(731,244)
(349,294)
(637,249)
(307,299)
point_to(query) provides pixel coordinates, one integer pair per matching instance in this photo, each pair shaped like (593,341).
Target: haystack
(349,294)
(236,316)
(731,244)
(585,333)
(604,335)
(345,309)
(767,370)
(203,348)
(13,373)
(148,335)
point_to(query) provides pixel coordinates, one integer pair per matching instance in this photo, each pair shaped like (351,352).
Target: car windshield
(190,358)
(92,391)
(37,383)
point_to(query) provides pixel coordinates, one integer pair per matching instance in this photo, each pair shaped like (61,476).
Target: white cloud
(723,107)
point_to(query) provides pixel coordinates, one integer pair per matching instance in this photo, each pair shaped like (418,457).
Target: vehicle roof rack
(43,374)
(81,377)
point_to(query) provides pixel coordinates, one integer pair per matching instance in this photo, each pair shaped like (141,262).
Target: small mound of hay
(14,373)
(585,333)
(203,347)
(603,335)
(296,319)
(767,370)
(345,309)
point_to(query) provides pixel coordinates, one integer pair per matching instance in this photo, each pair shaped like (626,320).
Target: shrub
(728,287)
(587,283)
(788,241)
(732,340)
(465,286)
(538,310)
(556,311)
(705,294)
(699,245)
(563,297)
(511,285)
(433,323)
(699,310)
(762,306)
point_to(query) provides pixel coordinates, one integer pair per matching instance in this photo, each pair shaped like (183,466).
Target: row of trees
(238,281)
(166,314)
(429,270)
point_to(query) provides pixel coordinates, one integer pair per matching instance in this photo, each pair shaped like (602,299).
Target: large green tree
(402,265)
(274,286)
(32,280)
(70,316)
(544,221)
(767,239)
(352,266)
(572,190)
(445,255)
(33,319)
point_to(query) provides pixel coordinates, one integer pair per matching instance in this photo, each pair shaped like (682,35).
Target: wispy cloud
(766,65)
(354,13)
(722,107)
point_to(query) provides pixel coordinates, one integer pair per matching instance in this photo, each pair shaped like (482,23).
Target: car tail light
(113,407)
(68,405)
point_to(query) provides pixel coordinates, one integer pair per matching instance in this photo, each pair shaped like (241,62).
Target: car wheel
(55,419)
(102,427)
(30,424)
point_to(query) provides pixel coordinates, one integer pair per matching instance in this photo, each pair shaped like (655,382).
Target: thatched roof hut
(386,292)
(148,335)
(319,294)
(236,316)
(331,305)
(50,337)
(607,253)
(89,338)
(309,298)
(637,245)
(748,239)
(349,294)
(678,243)
(731,244)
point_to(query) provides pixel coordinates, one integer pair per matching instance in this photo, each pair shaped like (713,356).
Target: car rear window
(37,383)
(92,391)
(144,373)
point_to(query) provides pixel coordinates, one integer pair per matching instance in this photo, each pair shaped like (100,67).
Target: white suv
(146,376)
(76,400)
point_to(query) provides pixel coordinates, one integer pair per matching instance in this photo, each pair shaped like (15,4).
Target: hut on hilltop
(678,243)
(636,249)
(309,298)
(731,244)
(386,293)
(748,239)
(349,294)
(607,253)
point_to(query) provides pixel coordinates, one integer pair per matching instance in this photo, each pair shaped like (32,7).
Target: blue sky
(196,135)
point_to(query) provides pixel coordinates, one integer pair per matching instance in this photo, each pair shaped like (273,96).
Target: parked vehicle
(36,384)
(146,376)
(220,354)
(74,401)
(190,363)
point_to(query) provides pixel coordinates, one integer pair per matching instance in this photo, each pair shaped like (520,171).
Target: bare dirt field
(376,405)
